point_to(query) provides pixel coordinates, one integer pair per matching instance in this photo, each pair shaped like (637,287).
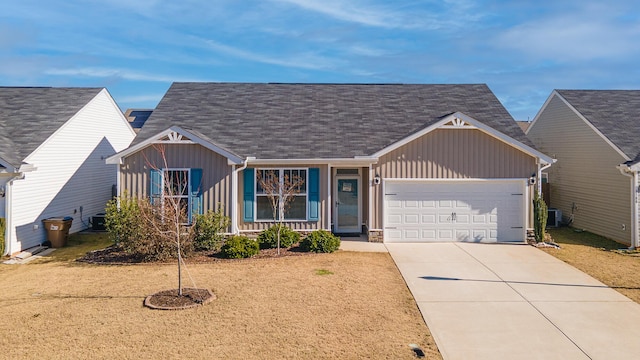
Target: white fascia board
(475,124)
(232,159)
(355,161)
(606,139)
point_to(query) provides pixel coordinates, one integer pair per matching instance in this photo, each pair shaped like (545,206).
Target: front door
(347,205)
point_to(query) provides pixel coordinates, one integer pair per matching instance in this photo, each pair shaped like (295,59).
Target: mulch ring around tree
(171,300)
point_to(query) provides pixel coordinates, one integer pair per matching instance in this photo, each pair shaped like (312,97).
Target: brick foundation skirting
(375,236)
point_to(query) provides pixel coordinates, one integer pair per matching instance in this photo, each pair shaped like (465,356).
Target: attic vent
(174,137)
(457,123)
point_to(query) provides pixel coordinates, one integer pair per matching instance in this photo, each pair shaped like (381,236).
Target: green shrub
(209,229)
(146,230)
(239,247)
(268,239)
(123,222)
(3,226)
(320,241)
(539,217)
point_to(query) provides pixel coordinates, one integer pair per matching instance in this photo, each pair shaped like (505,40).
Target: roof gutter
(629,171)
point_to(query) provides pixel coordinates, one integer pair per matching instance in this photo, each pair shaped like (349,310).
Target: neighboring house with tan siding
(394,162)
(594,135)
(54,142)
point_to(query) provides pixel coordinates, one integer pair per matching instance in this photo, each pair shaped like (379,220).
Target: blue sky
(136,48)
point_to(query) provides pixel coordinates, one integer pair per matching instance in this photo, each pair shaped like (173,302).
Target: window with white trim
(275,185)
(176,188)
(182,186)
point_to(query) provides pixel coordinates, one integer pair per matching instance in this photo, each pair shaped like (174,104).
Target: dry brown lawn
(345,305)
(593,254)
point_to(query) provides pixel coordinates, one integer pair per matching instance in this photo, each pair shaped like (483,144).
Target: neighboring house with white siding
(53,145)
(595,137)
(397,162)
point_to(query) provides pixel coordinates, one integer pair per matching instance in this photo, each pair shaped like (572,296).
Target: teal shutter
(249,185)
(155,186)
(314,194)
(195,193)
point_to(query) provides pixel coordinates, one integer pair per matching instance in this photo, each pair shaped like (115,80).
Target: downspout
(234,195)
(370,196)
(540,170)
(634,204)
(329,215)
(8,223)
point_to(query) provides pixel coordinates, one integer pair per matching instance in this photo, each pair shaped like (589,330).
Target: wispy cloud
(116,73)
(350,11)
(591,33)
(304,60)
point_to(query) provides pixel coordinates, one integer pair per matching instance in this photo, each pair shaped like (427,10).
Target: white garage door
(473,211)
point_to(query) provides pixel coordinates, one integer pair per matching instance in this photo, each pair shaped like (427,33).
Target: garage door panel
(484,211)
(394,219)
(411,234)
(429,235)
(479,219)
(428,219)
(411,204)
(463,219)
(479,235)
(412,219)
(428,204)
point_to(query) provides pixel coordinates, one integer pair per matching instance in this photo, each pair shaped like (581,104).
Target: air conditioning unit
(554,217)
(97,223)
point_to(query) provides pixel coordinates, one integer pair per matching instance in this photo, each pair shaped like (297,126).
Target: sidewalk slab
(361,245)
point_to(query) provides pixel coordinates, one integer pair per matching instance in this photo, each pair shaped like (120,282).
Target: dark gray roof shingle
(615,113)
(29,115)
(300,121)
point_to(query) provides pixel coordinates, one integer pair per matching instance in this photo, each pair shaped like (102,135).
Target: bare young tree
(280,190)
(167,215)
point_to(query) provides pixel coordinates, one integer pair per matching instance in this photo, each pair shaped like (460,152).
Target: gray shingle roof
(29,115)
(298,121)
(615,113)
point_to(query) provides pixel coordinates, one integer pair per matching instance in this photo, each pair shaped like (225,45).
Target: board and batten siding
(216,172)
(257,226)
(450,154)
(71,177)
(584,181)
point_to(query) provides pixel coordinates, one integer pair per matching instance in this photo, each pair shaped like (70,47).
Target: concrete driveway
(494,301)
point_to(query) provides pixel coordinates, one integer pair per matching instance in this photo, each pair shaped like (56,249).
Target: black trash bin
(58,230)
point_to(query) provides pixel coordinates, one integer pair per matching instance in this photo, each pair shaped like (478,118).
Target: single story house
(594,136)
(399,163)
(53,145)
